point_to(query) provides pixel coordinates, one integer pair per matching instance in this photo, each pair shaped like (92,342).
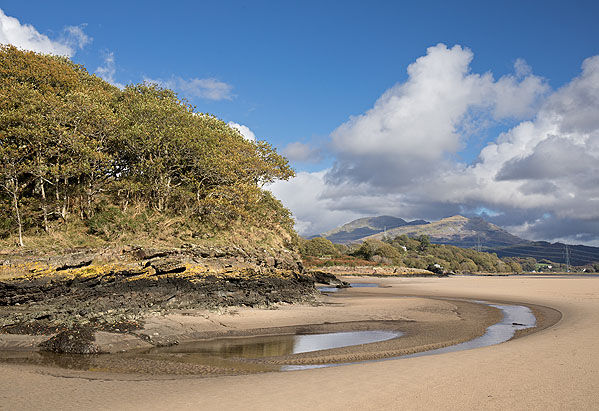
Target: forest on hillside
(404,251)
(419,252)
(78,154)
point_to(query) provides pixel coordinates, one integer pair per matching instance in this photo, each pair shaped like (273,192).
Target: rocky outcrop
(119,288)
(77,340)
(328,279)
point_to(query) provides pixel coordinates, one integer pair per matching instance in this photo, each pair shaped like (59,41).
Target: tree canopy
(73,147)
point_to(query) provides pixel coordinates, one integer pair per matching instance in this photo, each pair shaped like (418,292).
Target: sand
(554,368)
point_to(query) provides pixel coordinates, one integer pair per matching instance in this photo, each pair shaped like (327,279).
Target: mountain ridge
(466,233)
(366,226)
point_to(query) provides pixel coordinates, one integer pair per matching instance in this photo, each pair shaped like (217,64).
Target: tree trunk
(17,213)
(44,205)
(65,200)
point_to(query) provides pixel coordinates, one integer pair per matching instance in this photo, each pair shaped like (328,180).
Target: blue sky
(295,72)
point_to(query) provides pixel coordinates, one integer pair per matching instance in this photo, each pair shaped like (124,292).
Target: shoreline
(427,323)
(553,367)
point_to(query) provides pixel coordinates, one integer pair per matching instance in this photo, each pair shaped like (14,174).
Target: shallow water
(232,353)
(277,345)
(325,289)
(328,289)
(515,317)
(220,352)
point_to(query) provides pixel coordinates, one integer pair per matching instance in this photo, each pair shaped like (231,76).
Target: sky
(413,109)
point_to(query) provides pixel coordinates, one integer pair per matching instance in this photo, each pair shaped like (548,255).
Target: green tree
(318,247)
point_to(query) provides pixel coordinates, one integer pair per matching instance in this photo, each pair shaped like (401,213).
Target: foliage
(73,147)
(371,249)
(416,253)
(317,247)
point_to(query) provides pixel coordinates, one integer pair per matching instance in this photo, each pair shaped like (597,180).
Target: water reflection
(221,353)
(515,317)
(250,347)
(277,345)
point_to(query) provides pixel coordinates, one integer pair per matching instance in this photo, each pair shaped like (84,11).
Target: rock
(329,279)
(77,340)
(75,263)
(166,265)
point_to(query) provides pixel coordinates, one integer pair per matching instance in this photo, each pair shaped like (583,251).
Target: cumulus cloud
(558,150)
(540,178)
(26,37)
(108,70)
(414,126)
(312,212)
(243,130)
(301,152)
(206,88)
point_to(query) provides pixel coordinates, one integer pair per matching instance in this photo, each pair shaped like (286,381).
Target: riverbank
(553,366)
(425,324)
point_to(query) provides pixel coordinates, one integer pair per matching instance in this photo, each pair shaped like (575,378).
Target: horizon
(422,111)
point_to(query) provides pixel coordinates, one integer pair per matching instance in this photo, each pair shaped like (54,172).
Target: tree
(318,247)
(424,241)
(72,145)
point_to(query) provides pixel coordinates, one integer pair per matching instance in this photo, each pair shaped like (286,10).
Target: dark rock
(329,279)
(75,263)
(78,340)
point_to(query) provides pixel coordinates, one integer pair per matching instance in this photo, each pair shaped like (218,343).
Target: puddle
(328,289)
(358,285)
(277,345)
(325,289)
(234,354)
(219,352)
(515,317)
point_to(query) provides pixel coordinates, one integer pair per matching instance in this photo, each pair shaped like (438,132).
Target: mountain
(467,233)
(578,255)
(459,231)
(363,227)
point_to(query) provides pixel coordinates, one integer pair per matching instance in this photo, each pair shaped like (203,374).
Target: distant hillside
(579,255)
(466,233)
(363,227)
(459,231)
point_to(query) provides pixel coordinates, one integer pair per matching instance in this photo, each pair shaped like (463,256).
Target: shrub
(318,247)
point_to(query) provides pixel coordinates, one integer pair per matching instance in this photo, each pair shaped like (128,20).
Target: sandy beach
(554,368)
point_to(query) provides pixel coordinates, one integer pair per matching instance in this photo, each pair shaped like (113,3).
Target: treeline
(416,252)
(73,147)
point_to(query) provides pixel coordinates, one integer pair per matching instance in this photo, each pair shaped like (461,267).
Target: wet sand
(552,368)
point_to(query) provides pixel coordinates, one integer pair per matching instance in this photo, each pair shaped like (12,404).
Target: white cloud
(312,212)
(206,88)
(540,177)
(26,37)
(244,130)
(414,126)
(522,68)
(75,37)
(301,152)
(108,70)
(550,163)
